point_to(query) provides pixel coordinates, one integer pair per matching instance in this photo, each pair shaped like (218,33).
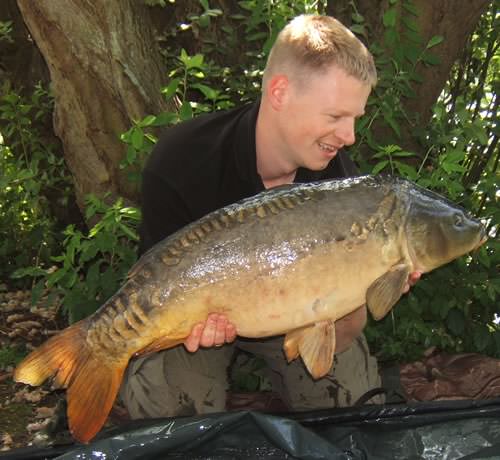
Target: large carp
(291,260)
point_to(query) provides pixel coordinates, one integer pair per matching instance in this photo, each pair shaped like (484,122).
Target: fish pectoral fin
(385,291)
(160,344)
(316,346)
(291,343)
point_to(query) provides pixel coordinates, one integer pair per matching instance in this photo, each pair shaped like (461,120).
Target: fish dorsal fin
(386,290)
(315,344)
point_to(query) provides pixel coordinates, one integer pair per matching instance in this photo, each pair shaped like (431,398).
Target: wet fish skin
(291,260)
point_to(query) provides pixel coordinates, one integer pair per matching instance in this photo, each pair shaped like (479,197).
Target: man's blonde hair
(312,43)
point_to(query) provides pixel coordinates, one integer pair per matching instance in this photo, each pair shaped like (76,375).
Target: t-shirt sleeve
(163,211)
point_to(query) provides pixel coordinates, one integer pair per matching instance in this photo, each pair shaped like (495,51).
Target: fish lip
(481,242)
(483,237)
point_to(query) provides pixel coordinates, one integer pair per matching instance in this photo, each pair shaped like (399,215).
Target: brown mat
(441,376)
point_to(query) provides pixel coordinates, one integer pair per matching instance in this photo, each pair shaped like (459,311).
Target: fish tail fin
(92,384)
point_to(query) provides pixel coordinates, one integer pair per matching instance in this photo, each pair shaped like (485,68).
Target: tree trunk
(106,72)
(455,21)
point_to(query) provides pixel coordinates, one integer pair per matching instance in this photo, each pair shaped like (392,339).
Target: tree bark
(106,72)
(455,21)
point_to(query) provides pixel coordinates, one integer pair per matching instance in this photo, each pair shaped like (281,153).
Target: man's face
(317,117)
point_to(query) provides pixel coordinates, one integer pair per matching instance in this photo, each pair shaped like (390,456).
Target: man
(315,85)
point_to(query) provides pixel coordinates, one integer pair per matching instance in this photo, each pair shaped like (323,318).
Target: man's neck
(282,180)
(272,168)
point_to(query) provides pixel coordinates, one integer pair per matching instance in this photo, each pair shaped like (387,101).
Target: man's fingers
(412,280)
(230,333)
(192,343)
(414,277)
(215,332)
(220,331)
(208,335)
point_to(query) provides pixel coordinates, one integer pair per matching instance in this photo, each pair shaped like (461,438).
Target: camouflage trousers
(175,382)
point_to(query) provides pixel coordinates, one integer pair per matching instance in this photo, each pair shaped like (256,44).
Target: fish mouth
(483,237)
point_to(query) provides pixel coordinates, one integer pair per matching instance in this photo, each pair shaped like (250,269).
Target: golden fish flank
(291,260)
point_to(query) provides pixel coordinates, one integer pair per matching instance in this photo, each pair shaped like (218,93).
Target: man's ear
(278,88)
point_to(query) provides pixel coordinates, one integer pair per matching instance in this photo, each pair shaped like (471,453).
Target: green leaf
(28,271)
(256,36)
(356,17)
(436,40)
(166,118)
(455,321)
(482,338)
(379,166)
(480,132)
(410,24)
(410,8)
(186,112)
(195,61)
(392,123)
(431,59)
(454,156)
(54,277)
(358,29)
(403,153)
(452,167)
(147,121)
(88,252)
(406,170)
(389,18)
(129,232)
(137,138)
(170,90)
(208,92)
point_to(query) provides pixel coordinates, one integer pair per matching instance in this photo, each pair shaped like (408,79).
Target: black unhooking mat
(439,430)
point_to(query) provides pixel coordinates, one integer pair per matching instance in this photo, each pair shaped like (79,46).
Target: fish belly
(329,283)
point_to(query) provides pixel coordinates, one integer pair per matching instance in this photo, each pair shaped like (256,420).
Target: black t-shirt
(204,164)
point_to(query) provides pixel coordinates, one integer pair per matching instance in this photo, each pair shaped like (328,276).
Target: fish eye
(458,220)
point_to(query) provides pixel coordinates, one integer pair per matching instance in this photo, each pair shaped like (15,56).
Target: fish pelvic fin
(386,290)
(291,344)
(315,344)
(91,384)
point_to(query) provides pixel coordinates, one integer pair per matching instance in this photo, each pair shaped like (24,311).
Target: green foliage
(29,171)
(248,374)
(267,18)
(198,84)
(11,356)
(461,316)
(6,31)
(92,266)
(397,56)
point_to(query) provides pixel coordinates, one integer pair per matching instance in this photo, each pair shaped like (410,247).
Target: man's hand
(214,332)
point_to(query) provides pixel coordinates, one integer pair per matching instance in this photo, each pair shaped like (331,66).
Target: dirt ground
(27,415)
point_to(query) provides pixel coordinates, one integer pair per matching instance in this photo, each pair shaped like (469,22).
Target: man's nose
(346,132)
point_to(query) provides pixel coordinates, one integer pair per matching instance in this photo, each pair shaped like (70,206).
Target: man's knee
(175,382)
